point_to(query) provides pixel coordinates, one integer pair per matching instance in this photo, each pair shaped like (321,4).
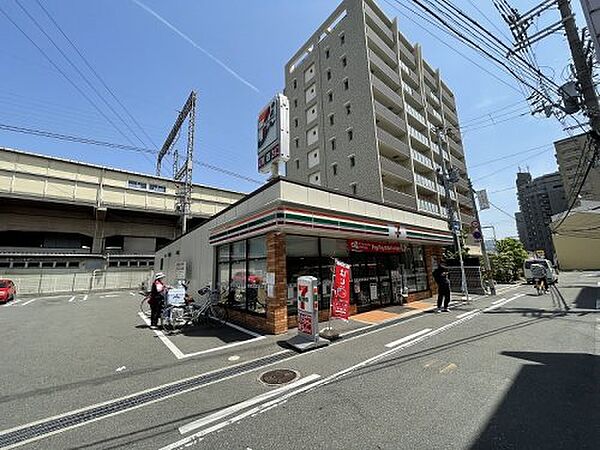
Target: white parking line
(407,338)
(30,301)
(460,316)
(245,404)
(85,297)
(165,340)
(131,293)
(71,299)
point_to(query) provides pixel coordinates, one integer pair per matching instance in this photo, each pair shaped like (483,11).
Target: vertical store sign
(274,133)
(340,291)
(308,307)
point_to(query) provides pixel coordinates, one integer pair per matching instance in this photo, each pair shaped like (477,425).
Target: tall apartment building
(363,108)
(539,199)
(569,154)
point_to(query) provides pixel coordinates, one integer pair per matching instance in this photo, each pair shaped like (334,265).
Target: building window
(330,96)
(295,83)
(297,142)
(332,141)
(297,164)
(327,53)
(348,109)
(334,169)
(328,74)
(352,160)
(295,103)
(353,188)
(350,134)
(241,274)
(346,84)
(342,38)
(331,119)
(158,188)
(344,61)
(136,184)
(295,123)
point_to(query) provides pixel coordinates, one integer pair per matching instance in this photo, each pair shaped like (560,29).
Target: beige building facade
(573,156)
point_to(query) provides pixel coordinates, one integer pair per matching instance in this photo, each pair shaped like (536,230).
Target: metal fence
(474,279)
(56,281)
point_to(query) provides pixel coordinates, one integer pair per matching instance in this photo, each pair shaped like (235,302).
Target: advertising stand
(308,316)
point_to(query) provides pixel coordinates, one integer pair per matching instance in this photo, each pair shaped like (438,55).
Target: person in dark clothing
(440,275)
(157,298)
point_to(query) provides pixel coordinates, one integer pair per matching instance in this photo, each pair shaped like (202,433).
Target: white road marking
(233,358)
(131,293)
(13,303)
(71,299)
(460,316)
(30,301)
(245,404)
(498,305)
(109,296)
(85,297)
(156,388)
(244,330)
(165,340)
(120,369)
(498,301)
(407,338)
(222,347)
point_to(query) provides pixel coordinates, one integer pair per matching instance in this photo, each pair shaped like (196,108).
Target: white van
(552,274)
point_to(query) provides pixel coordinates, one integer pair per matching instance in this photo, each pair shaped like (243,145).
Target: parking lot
(97,346)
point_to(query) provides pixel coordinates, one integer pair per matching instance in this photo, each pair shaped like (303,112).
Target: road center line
(245,404)
(460,316)
(498,305)
(407,338)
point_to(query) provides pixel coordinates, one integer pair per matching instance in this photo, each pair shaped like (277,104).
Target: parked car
(8,291)
(552,276)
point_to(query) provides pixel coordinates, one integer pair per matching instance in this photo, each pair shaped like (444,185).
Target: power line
(502,158)
(87,63)
(502,211)
(65,76)
(97,142)
(508,167)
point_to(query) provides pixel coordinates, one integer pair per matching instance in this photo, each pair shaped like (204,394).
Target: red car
(8,291)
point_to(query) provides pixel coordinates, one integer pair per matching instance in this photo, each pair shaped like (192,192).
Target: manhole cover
(278,376)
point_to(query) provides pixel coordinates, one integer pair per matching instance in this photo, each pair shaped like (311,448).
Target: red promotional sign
(355,245)
(340,291)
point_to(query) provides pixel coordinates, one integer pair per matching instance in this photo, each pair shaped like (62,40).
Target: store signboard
(340,292)
(360,246)
(397,232)
(273,133)
(180,270)
(308,307)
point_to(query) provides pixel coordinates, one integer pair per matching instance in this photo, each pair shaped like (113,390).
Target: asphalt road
(512,371)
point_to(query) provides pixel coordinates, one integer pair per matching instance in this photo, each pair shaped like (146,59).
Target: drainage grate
(70,420)
(278,376)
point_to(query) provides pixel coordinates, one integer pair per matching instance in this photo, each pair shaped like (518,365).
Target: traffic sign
(456,225)
(475,224)
(477,234)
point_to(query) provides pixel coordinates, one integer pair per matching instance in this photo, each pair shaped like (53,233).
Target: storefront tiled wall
(276,321)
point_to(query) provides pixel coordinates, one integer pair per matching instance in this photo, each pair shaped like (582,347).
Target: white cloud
(191,42)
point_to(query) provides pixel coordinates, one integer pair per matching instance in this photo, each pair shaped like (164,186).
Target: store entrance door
(372,280)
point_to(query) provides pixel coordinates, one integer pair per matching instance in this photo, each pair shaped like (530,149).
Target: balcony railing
(384,114)
(412,95)
(399,198)
(406,53)
(377,21)
(428,77)
(425,182)
(396,170)
(463,199)
(387,92)
(382,66)
(416,114)
(393,144)
(425,205)
(381,45)
(434,115)
(458,163)
(450,115)
(421,158)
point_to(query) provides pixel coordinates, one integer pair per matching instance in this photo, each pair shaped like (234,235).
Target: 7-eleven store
(255,250)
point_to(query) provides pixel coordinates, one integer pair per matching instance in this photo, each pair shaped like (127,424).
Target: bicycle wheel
(145,307)
(219,314)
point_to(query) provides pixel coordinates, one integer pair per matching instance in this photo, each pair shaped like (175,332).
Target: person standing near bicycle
(158,295)
(540,277)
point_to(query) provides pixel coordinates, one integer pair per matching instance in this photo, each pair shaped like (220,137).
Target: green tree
(503,268)
(513,249)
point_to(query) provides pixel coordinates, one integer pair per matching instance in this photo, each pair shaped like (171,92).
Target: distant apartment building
(539,199)
(573,158)
(364,106)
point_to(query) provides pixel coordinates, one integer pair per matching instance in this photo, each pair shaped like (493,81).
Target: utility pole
(447,180)
(486,259)
(582,69)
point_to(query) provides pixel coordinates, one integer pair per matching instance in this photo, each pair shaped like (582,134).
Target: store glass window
(241,274)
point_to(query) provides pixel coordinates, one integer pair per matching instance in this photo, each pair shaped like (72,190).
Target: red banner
(340,291)
(355,245)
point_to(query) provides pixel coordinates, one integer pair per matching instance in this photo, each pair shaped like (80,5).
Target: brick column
(276,262)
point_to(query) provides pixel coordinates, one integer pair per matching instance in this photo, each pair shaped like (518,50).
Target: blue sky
(235,61)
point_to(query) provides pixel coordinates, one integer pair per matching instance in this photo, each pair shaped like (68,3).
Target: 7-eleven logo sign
(397,232)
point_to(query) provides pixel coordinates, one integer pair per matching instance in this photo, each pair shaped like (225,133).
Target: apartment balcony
(384,90)
(429,78)
(428,206)
(455,148)
(386,72)
(464,200)
(377,23)
(433,98)
(389,118)
(442,192)
(410,77)
(423,160)
(396,171)
(417,118)
(384,49)
(392,145)
(462,185)
(426,183)
(406,53)
(434,116)
(397,198)
(447,97)
(466,218)
(412,96)
(438,150)
(458,164)
(450,116)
